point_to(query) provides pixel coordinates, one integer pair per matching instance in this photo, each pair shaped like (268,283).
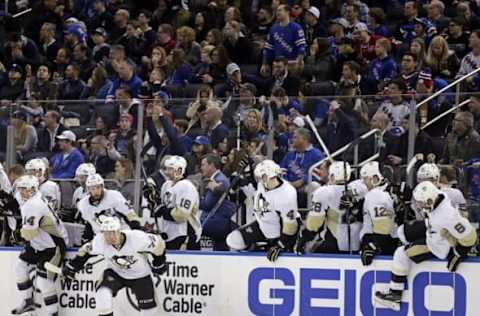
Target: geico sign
(278,286)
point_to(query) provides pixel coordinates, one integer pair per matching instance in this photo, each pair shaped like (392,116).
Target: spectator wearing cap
(26,138)
(376,22)
(200,147)
(383,68)
(435,13)
(101,50)
(126,104)
(407,28)
(72,88)
(180,70)
(456,37)
(101,16)
(463,142)
(47,135)
(120,21)
(215,129)
(126,76)
(298,160)
(233,83)
(364,43)
(65,163)
(165,37)
(395,105)
(361,7)
(338,41)
(238,46)
(281,77)
(285,39)
(312,26)
(284,140)
(144,18)
(471,61)
(424,29)
(215,225)
(82,58)
(50,45)
(14,88)
(74,34)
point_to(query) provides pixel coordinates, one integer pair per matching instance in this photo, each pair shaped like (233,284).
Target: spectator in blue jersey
(126,76)
(425,29)
(65,163)
(283,105)
(376,22)
(408,71)
(285,39)
(181,72)
(216,223)
(407,29)
(297,161)
(395,105)
(383,68)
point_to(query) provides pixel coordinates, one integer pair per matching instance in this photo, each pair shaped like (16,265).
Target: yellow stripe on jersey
(382,225)
(56,261)
(133,217)
(416,250)
(29,233)
(180,215)
(84,250)
(48,225)
(314,221)
(159,248)
(290,227)
(470,239)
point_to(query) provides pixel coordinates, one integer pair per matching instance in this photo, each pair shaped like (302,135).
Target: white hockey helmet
(428,172)
(425,194)
(339,172)
(370,170)
(33,166)
(110,224)
(267,168)
(28,182)
(177,163)
(93,180)
(85,169)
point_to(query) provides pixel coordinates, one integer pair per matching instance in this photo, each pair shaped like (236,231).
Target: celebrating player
(128,265)
(276,214)
(379,229)
(447,235)
(49,189)
(101,203)
(46,239)
(332,205)
(178,208)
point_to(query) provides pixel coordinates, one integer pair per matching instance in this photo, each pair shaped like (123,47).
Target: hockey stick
(318,137)
(57,270)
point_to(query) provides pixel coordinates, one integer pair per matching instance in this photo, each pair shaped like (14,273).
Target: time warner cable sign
(247,284)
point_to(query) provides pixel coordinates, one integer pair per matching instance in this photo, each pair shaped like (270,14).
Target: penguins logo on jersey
(99,217)
(168,198)
(124,262)
(261,206)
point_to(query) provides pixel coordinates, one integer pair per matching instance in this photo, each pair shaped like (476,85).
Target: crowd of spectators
(210,74)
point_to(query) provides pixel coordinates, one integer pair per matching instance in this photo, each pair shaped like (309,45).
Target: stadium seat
(191,90)
(325,88)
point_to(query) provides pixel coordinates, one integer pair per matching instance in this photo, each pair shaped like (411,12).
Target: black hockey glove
(346,201)
(161,211)
(454,259)
(159,265)
(150,194)
(274,251)
(305,236)
(17,236)
(367,253)
(69,271)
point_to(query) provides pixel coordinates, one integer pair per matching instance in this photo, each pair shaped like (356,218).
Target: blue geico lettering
(286,294)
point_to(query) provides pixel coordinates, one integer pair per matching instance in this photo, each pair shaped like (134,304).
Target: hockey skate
(27,306)
(389,298)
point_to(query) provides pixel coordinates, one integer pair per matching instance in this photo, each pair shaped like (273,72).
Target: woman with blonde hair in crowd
(253,126)
(25,135)
(442,61)
(186,40)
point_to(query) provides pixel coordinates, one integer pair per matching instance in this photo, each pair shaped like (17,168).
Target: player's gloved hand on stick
(367,253)
(68,271)
(274,251)
(346,202)
(161,211)
(305,236)
(17,236)
(159,265)
(454,259)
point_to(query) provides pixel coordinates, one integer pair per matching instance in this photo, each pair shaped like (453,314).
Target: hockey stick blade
(52,268)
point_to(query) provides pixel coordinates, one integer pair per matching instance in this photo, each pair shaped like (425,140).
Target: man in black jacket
(46,136)
(281,77)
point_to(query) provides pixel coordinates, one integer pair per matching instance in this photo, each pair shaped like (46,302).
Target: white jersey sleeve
(5,184)
(457,198)
(51,192)
(122,205)
(185,200)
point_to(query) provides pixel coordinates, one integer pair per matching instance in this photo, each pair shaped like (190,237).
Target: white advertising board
(208,283)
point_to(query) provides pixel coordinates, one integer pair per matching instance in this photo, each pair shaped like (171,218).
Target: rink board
(208,283)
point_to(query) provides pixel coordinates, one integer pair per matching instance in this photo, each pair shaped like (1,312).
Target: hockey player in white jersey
(101,203)
(177,214)
(128,265)
(45,238)
(431,172)
(448,235)
(276,214)
(49,189)
(332,215)
(379,231)
(81,175)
